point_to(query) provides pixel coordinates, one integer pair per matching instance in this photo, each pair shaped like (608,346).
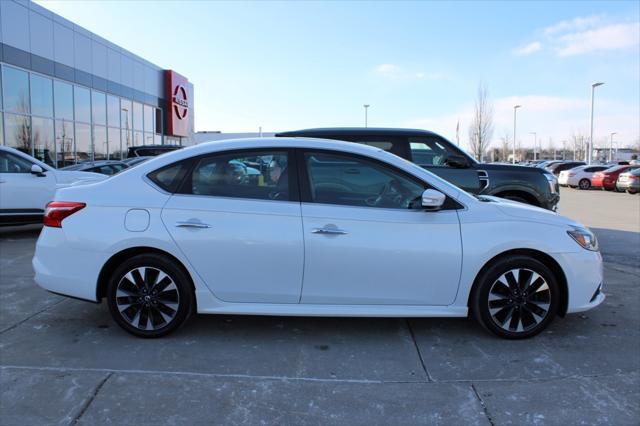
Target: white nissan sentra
(310,227)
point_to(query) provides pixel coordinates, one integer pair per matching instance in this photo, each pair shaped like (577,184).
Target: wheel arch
(540,256)
(113,262)
(529,197)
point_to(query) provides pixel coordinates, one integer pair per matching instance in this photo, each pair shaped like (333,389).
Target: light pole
(593,89)
(515,108)
(366,108)
(535,144)
(611,146)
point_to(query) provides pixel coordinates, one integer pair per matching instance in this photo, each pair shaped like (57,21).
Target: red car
(606,179)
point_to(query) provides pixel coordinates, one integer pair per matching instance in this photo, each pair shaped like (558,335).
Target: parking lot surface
(64,361)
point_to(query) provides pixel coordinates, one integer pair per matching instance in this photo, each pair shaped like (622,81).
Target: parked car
(134,161)
(330,228)
(579,176)
(607,179)
(105,167)
(150,150)
(436,154)
(544,164)
(27,185)
(629,181)
(556,168)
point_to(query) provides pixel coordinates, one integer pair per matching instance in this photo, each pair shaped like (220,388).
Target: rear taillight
(57,211)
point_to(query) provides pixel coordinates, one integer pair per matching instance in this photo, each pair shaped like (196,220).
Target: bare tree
(579,142)
(481,128)
(505,146)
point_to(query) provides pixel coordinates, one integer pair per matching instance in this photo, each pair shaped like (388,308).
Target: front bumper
(584,274)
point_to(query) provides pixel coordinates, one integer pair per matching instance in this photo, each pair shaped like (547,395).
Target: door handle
(199,225)
(329,231)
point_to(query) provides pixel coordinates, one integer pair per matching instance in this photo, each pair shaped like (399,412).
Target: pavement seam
(11,327)
(311,379)
(415,343)
(484,406)
(89,400)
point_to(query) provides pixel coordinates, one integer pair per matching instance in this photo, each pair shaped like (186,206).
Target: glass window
(115,150)
(65,155)
(10,163)
(99,108)
(137,116)
(41,96)
(82,98)
(138,139)
(429,151)
(113,111)
(169,177)
(15,84)
(100,143)
(157,139)
(17,132)
(355,181)
(248,175)
(149,125)
(158,121)
(83,142)
(127,139)
(126,114)
(1,130)
(43,144)
(148,138)
(63,100)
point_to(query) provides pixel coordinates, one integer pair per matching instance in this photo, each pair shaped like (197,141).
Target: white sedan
(329,228)
(27,185)
(579,176)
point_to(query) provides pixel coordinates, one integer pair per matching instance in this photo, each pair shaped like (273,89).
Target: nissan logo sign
(180,102)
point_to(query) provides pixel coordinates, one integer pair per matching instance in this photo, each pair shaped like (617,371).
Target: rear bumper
(64,270)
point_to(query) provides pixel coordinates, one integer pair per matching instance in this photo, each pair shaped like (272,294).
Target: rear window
(169,177)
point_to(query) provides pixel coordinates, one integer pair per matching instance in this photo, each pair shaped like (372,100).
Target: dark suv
(150,150)
(436,154)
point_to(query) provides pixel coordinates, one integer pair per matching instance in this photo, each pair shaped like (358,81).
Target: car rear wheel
(584,184)
(631,191)
(149,295)
(515,298)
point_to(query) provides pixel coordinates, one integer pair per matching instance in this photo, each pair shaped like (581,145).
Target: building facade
(68,95)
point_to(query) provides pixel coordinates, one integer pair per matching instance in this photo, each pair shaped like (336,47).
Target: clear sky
(290,65)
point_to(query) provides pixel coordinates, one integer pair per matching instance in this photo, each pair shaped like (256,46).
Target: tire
(584,184)
(631,191)
(502,285)
(140,306)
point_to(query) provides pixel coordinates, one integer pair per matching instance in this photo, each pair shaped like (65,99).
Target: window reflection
(64,143)
(113,111)
(83,142)
(82,105)
(137,116)
(43,147)
(115,149)
(99,107)
(148,119)
(100,145)
(63,100)
(15,85)
(41,96)
(17,131)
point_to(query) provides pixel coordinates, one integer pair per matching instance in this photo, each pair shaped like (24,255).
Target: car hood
(510,168)
(529,212)
(72,177)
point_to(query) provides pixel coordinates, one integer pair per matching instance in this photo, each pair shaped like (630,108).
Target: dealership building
(69,95)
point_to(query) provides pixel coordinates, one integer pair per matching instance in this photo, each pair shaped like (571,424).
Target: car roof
(378,131)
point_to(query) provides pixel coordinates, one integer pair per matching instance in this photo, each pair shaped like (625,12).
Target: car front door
(367,239)
(241,232)
(22,192)
(432,153)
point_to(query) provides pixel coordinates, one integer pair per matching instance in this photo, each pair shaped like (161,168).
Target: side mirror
(37,170)
(432,199)
(457,161)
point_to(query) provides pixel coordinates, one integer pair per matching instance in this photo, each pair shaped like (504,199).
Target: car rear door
(241,232)
(364,244)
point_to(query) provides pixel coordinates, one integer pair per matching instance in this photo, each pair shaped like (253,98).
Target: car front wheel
(149,295)
(584,184)
(516,297)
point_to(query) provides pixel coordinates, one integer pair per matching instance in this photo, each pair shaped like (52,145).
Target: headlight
(553,180)
(585,238)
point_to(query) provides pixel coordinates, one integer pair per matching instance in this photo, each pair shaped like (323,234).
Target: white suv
(27,185)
